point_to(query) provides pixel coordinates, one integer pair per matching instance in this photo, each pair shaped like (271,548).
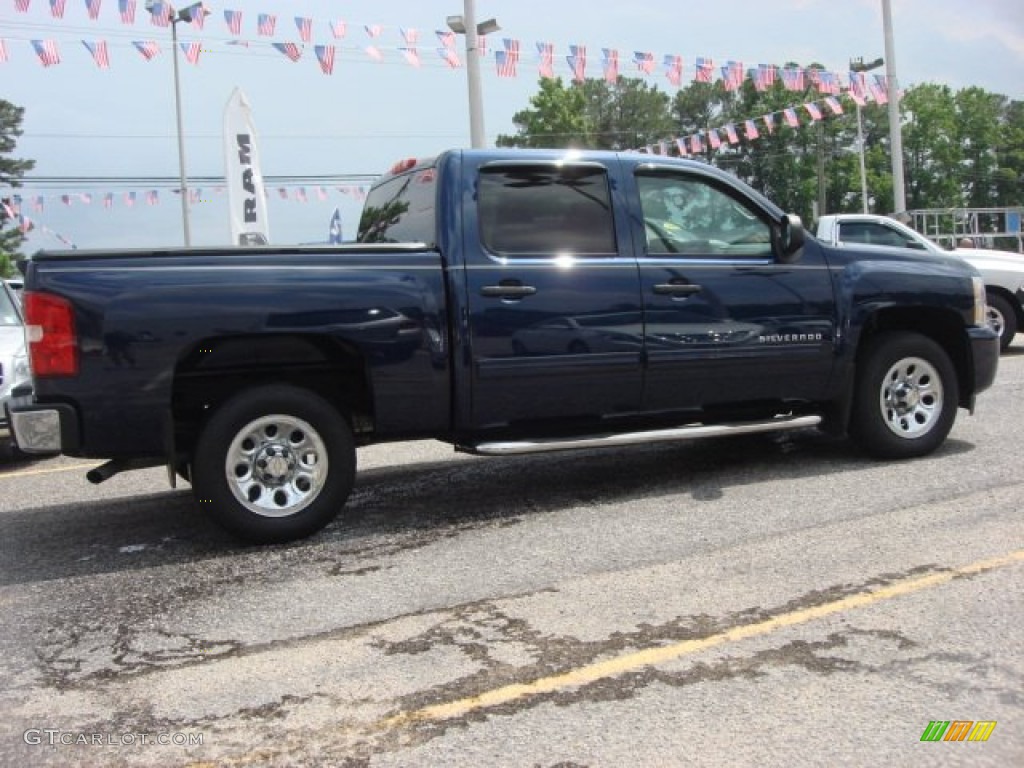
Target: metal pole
(181,137)
(863,166)
(476,111)
(895,131)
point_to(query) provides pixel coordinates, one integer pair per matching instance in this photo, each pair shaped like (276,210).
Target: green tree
(595,114)
(1009,174)
(933,156)
(11,172)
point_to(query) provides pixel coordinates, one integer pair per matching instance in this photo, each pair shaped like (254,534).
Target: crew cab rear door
(553,299)
(726,320)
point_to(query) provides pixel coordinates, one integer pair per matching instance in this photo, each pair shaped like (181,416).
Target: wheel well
(944,327)
(215,369)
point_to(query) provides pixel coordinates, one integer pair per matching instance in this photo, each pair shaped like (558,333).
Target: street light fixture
(186,15)
(858,65)
(467,25)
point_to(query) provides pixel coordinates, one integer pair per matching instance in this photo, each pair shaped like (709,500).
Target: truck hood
(1003,260)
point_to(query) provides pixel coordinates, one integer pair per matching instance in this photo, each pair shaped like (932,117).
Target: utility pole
(899,193)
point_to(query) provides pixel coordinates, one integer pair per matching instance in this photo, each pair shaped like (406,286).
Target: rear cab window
(402,207)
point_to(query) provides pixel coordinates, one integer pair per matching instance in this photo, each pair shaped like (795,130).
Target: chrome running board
(691,432)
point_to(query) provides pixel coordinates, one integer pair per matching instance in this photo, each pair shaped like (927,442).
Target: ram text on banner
(247,201)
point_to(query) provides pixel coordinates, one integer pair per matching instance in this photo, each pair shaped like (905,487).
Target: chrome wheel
(996,320)
(276,465)
(911,397)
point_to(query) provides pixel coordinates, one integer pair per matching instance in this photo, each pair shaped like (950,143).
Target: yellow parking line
(651,656)
(49,470)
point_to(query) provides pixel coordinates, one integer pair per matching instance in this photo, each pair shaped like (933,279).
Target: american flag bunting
(305,27)
(610,65)
(266,23)
(507,60)
(47,51)
(546,67)
(99,53)
(325,55)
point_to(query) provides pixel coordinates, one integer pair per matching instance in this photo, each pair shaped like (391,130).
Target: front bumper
(43,429)
(985,355)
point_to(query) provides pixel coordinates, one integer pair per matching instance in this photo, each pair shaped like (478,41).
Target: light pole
(899,193)
(467,25)
(858,65)
(186,15)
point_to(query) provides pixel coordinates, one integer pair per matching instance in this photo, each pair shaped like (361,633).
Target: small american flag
(751,130)
(880,89)
(38,203)
(507,60)
(291,50)
(577,60)
(681,147)
(265,24)
(147,48)
(282,193)
(730,133)
(22,5)
(858,88)
(705,70)
(199,14)
(764,77)
(66,199)
(451,58)
(129,199)
(547,59)
(94,8)
(611,65)
(732,74)
(191,51)
(713,139)
(769,122)
(153,197)
(813,111)
(99,53)
(695,145)
(85,197)
(793,79)
(3,52)
(834,105)
(160,14)
(644,61)
(305,27)
(325,55)
(127,9)
(47,52)
(57,8)
(338,29)
(674,69)
(300,195)
(447,38)
(791,118)
(234,21)
(108,200)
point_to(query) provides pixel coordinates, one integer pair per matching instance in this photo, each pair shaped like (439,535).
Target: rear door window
(544,210)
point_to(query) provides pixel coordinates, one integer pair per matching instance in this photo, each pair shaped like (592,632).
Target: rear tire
(905,397)
(274,463)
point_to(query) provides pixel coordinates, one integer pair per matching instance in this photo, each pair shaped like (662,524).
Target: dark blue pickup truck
(504,302)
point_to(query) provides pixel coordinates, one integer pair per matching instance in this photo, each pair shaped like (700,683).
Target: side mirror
(788,237)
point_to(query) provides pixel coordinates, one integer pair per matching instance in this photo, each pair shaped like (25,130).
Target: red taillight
(50,333)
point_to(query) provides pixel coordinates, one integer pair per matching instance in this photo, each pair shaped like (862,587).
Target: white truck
(1003,272)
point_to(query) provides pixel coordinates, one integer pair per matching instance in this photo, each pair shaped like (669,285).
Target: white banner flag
(247,200)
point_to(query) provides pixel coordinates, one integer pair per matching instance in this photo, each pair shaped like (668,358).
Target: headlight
(980,305)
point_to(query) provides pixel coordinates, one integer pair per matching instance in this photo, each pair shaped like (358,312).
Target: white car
(1003,272)
(13,358)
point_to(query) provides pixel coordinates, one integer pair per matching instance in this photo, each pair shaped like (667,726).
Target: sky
(95,127)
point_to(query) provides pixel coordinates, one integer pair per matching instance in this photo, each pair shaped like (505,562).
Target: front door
(726,321)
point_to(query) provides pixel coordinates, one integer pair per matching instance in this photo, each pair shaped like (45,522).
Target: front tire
(1002,318)
(905,397)
(274,463)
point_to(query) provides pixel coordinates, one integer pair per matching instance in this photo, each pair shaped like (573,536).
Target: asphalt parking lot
(750,601)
